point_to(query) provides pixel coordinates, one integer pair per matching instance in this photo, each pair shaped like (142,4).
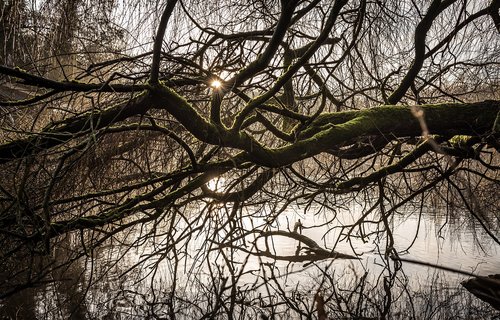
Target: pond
(141,274)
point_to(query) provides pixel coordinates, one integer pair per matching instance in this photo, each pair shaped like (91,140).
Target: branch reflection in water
(194,266)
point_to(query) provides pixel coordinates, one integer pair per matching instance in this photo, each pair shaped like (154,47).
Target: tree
(296,103)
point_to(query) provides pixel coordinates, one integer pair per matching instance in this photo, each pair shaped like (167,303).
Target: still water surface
(451,240)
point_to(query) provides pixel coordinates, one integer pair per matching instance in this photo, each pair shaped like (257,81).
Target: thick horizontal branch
(74,86)
(72,128)
(392,122)
(326,132)
(329,131)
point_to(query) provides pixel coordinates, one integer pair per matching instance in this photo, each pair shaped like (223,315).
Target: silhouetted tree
(185,120)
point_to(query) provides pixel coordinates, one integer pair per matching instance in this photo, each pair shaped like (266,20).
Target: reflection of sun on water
(217,184)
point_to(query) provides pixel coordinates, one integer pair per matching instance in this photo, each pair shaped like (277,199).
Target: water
(430,238)
(434,236)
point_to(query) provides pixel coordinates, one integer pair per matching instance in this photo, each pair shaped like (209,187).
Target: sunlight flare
(216,84)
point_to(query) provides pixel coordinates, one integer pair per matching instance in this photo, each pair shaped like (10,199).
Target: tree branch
(155,65)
